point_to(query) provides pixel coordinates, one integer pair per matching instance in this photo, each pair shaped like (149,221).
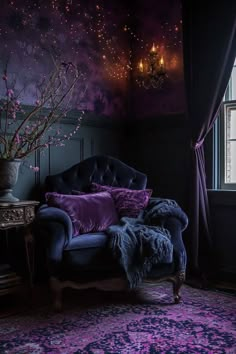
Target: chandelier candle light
(151,70)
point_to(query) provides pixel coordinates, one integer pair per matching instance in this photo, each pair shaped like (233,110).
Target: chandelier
(151,70)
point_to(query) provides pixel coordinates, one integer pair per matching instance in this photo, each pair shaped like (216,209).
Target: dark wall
(223,211)
(159,147)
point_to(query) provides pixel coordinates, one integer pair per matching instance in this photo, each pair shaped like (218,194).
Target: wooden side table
(14,215)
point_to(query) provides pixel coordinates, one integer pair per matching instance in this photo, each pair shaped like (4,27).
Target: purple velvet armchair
(91,236)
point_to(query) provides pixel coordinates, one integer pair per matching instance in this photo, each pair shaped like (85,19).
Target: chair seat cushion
(90,240)
(88,250)
(90,253)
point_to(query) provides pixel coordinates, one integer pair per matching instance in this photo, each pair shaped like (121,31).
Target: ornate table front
(20,214)
(17,214)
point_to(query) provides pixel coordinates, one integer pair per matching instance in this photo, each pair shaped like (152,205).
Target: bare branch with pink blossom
(23,132)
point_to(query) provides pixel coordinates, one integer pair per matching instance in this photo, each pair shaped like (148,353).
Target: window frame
(220,135)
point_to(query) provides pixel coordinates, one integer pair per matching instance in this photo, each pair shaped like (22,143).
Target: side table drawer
(17,214)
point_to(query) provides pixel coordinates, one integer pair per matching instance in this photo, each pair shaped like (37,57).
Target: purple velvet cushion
(128,202)
(88,213)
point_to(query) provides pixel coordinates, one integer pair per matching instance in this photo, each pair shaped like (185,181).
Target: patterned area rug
(144,321)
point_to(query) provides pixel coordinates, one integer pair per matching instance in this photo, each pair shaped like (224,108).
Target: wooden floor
(225,286)
(22,299)
(12,304)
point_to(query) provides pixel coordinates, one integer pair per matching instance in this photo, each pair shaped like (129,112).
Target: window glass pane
(233,83)
(230,162)
(231,124)
(230,93)
(230,143)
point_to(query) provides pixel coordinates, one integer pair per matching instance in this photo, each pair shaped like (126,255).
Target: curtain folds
(209,48)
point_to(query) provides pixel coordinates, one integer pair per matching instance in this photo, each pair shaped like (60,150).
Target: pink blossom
(34,168)
(10,92)
(29,133)
(17,139)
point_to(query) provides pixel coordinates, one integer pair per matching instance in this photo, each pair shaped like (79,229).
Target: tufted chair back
(100,169)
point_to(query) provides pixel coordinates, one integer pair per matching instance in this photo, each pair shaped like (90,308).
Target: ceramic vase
(9,170)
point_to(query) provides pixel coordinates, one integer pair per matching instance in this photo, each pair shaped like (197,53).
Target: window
(225,139)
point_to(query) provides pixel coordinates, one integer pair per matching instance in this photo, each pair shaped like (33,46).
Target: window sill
(222,197)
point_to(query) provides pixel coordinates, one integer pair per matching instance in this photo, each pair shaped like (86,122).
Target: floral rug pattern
(143,322)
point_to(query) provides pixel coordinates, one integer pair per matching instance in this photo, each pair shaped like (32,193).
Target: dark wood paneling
(94,137)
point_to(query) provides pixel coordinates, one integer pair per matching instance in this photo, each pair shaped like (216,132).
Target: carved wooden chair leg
(178,281)
(56,291)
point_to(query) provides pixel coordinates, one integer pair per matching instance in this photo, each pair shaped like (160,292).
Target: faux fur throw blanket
(159,209)
(138,245)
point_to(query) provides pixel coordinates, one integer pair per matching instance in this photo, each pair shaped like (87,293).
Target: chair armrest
(159,210)
(47,215)
(174,226)
(168,214)
(53,232)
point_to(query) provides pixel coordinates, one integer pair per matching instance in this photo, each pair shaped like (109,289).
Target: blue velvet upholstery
(99,169)
(88,257)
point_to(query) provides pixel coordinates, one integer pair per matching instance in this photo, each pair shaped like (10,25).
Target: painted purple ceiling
(97,36)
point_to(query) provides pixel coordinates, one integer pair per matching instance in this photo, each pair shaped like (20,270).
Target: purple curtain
(209,45)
